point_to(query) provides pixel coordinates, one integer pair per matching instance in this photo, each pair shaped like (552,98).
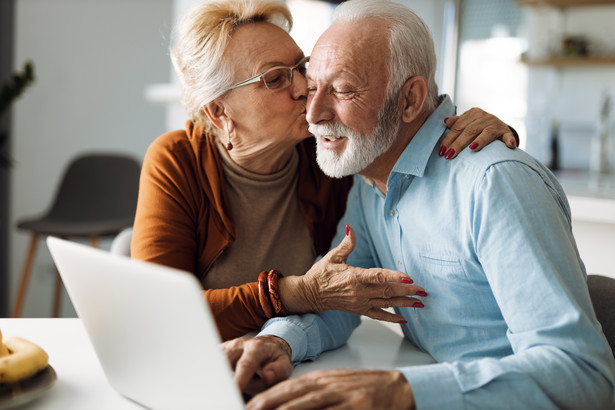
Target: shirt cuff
(292,334)
(433,386)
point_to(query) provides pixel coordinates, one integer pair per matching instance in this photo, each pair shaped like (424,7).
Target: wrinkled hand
(267,357)
(476,128)
(331,284)
(342,389)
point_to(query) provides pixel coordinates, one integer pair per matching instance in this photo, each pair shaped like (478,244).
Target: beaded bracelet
(274,292)
(263,295)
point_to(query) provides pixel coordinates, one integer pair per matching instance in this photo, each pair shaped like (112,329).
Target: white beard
(361,149)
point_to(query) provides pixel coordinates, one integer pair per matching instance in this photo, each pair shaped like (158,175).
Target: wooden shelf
(590,61)
(564,3)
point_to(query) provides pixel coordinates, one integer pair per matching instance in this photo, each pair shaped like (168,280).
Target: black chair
(97,197)
(602,293)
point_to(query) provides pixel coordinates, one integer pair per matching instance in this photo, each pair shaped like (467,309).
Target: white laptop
(152,331)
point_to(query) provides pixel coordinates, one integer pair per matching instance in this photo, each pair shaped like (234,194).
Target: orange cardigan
(183,217)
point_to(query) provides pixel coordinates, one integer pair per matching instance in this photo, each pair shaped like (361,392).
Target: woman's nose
(299,85)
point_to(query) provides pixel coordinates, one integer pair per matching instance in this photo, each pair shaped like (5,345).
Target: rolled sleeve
(429,395)
(312,334)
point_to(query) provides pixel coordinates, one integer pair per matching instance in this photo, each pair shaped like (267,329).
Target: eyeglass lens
(282,77)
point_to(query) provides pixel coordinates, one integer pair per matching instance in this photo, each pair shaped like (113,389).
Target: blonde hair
(410,43)
(201,37)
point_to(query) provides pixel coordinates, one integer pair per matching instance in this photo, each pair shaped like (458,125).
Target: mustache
(331,128)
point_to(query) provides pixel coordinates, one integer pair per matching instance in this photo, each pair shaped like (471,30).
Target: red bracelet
(263,295)
(274,292)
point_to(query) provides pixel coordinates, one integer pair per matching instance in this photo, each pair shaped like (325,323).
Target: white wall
(93,60)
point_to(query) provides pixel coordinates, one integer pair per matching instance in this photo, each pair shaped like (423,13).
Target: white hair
(202,36)
(410,43)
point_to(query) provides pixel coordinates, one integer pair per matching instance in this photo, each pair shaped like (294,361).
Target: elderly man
(508,316)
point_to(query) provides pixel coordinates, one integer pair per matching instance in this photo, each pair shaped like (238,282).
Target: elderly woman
(239,191)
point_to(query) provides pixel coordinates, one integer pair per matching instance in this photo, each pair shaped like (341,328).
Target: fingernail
(347,230)
(449,154)
(402,322)
(513,144)
(418,305)
(446,119)
(407,280)
(421,293)
(473,146)
(442,150)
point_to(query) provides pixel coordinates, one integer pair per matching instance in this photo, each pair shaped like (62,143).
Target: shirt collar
(416,155)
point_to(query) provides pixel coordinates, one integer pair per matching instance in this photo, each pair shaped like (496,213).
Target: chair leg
(25,276)
(57,296)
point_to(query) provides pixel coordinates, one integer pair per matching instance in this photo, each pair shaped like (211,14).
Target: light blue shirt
(488,235)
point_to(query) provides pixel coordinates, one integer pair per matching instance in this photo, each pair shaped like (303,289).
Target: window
(490,74)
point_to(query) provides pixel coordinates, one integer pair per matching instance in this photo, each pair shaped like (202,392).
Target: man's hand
(265,356)
(342,389)
(476,128)
(331,284)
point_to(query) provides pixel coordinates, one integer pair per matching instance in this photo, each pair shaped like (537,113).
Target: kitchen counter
(592,203)
(591,196)
(587,184)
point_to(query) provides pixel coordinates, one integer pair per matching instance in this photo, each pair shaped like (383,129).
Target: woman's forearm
(237,310)
(295,296)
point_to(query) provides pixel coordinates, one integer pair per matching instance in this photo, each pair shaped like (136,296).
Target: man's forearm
(312,334)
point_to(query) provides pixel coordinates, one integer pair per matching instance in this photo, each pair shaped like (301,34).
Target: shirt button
(393,213)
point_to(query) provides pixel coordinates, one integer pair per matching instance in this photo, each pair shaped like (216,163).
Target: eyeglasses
(276,78)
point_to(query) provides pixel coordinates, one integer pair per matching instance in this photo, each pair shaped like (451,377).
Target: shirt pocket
(442,264)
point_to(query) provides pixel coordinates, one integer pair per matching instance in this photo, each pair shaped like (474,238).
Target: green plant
(12,89)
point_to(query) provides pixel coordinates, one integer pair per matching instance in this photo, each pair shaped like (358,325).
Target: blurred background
(103,82)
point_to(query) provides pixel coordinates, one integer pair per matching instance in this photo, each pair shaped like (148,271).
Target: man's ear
(414,94)
(216,113)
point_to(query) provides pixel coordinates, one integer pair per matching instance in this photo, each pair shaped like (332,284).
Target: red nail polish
(473,146)
(407,280)
(402,322)
(421,293)
(513,144)
(347,230)
(418,305)
(442,150)
(449,154)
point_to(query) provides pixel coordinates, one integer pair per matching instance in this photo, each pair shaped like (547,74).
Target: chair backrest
(98,187)
(602,293)
(120,245)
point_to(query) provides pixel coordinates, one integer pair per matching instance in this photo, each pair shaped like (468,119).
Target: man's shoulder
(514,168)
(497,153)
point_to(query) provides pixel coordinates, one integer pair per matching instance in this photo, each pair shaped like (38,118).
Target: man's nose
(318,108)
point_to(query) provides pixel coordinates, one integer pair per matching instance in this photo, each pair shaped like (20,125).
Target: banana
(24,359)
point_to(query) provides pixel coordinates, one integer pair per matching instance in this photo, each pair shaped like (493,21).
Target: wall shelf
(588,61)
(564,3)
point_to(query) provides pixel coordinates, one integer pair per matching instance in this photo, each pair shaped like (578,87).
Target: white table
(81,383)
